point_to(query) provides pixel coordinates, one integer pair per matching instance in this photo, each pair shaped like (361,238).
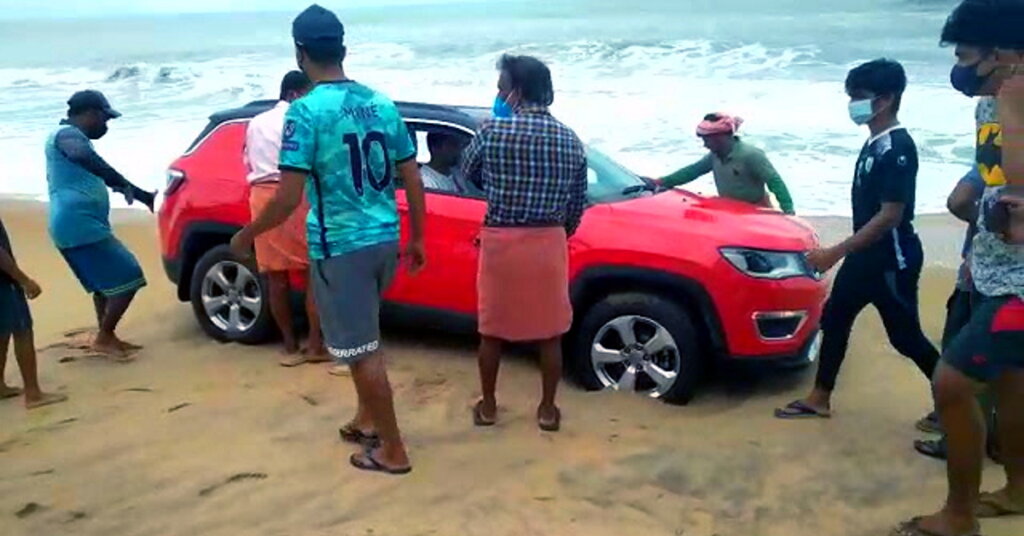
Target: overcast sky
(82,8)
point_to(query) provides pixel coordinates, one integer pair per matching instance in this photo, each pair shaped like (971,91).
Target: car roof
(468,117)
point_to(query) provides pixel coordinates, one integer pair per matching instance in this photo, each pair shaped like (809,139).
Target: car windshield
(607,181)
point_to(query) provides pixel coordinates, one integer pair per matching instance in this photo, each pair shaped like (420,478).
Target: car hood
(680,215)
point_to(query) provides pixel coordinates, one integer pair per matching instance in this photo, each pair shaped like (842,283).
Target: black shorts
(14,314)
(992,342)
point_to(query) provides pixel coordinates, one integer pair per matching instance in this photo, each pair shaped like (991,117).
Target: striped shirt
(532,169)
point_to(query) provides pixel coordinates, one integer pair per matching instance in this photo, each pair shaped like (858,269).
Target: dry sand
(199,438)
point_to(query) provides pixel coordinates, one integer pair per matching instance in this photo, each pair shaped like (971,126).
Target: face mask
(966,80)
(861,112)
(97,133)
(501,108)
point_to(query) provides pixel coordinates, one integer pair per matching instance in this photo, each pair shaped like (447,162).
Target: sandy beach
(200,438)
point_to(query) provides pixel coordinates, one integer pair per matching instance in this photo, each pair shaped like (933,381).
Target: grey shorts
(348,291)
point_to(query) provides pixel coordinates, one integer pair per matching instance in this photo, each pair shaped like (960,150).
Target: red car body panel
(674,232)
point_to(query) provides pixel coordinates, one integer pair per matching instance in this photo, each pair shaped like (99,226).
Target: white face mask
(861,111)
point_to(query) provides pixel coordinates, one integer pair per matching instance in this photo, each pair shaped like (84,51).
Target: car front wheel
(638,343)
(228,298)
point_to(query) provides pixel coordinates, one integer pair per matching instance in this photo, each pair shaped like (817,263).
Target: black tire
(667,313)
(259,328)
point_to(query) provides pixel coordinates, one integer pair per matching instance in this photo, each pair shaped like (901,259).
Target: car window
(449,143)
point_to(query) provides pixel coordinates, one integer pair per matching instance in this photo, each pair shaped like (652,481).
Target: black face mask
(97,132)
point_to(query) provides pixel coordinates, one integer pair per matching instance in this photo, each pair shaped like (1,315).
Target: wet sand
(200,438)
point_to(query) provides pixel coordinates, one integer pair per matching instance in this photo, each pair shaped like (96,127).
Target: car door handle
(476,242)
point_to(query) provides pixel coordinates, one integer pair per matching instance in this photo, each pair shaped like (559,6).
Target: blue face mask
(501,108)
(966,80)
(861,111)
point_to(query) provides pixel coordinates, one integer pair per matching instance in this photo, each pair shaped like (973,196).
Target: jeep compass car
(662,283)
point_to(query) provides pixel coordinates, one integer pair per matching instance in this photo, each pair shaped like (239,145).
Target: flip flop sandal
(13,393)
(800,410)
(992,505)
(913,528)
(366,462)
(478,416)
(351,434)
(551,426)
(933,448)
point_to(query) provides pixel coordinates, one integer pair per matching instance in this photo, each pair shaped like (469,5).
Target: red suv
(663,283)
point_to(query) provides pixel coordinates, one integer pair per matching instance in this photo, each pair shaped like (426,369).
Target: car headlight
(769,264)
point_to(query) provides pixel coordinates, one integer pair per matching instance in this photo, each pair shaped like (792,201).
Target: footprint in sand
(79,342)
(239,477)
(425,389)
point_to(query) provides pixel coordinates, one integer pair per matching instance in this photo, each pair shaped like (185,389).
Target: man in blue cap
(344,143)
(78,180)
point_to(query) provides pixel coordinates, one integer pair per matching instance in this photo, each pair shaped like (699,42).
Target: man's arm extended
(764,169)
(287,199)
(76,148)
(688,174)
(897,191)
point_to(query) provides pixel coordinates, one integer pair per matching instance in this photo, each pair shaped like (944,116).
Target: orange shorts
(283,248)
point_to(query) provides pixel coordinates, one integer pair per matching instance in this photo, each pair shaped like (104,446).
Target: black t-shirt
(5,243)
(887,173)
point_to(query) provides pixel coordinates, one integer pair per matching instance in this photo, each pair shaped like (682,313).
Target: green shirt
(742,175)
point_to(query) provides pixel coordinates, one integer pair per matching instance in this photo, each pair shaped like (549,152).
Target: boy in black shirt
(16,322)
(884,256)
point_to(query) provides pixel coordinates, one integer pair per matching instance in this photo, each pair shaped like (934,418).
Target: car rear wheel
(639,343)
(228,298)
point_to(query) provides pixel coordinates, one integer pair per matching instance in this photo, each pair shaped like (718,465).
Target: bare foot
(44,399)
(316,354)
(108,345)
(130,347)
(9,392)
(292,360)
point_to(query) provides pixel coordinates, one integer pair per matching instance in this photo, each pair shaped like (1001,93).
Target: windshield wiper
(647,186)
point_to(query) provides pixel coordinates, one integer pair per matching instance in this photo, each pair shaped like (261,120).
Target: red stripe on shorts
(1010,317)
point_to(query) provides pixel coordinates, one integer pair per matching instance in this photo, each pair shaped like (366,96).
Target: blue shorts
(14,313)
(105,267)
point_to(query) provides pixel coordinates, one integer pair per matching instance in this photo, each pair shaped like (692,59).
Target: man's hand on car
(824,259)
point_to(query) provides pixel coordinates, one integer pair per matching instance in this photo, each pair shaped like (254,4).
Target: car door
(448,282)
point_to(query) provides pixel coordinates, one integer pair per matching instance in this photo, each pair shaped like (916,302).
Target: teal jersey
(349,139)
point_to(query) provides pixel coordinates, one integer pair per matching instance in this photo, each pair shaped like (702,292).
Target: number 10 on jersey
(360,153)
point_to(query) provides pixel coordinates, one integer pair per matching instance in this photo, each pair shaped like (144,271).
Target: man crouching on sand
(80,216)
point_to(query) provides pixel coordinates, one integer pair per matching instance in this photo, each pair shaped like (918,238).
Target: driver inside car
(442,171)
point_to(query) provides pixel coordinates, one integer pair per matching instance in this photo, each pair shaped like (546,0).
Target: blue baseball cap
(91,99)
(317,27)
